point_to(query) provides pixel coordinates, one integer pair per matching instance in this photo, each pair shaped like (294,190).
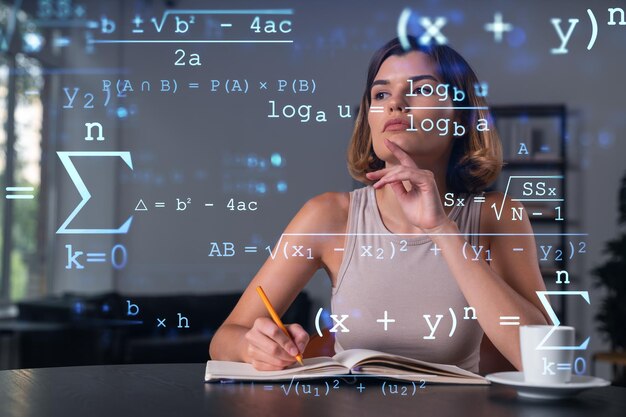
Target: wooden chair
(491,360)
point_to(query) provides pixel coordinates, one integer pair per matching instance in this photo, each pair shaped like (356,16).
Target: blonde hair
(476,157)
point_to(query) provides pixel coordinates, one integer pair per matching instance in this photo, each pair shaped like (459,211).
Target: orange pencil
(276,319)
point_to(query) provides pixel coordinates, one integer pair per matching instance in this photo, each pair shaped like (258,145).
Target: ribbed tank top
(407,277)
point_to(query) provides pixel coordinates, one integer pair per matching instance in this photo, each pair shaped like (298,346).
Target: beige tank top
(406,277)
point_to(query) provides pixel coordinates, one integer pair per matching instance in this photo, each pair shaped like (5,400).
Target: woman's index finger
(399,153)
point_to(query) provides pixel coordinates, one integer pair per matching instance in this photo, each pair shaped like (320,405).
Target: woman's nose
(397,105)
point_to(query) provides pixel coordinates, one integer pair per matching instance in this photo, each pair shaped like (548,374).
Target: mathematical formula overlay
(179,141)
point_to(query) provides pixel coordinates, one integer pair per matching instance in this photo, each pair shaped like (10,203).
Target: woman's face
(395,100)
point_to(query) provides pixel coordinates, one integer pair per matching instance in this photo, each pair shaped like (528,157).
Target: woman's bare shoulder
(328,211)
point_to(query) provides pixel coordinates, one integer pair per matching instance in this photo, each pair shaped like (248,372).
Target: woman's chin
(408,141)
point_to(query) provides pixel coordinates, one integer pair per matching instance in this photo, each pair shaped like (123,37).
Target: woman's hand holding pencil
(272,345)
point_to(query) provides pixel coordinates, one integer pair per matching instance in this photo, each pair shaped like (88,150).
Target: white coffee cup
(547,364)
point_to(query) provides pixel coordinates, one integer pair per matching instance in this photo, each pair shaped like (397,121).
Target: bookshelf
(534,142)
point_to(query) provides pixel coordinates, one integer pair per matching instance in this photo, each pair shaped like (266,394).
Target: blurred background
(198,129)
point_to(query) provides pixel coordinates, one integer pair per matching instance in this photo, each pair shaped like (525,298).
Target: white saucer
(546,391)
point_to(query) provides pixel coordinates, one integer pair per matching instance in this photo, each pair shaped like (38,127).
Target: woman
(400,248)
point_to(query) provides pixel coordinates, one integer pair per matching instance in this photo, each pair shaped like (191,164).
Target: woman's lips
(396,127)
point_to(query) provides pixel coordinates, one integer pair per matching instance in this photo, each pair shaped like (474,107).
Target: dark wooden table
(179,390)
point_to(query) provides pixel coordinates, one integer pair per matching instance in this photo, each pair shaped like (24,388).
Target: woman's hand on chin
(421,205)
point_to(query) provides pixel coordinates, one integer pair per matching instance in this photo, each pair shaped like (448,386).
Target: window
(21,116)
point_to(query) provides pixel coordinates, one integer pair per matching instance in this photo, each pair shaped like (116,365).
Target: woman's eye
(426,89)
(380,95)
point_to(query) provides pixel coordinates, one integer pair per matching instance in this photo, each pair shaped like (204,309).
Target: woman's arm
(507,285)
(248,334)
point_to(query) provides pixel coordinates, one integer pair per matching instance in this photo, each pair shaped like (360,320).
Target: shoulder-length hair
(476,157)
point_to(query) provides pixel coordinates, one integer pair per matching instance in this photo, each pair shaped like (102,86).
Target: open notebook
(352,361)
